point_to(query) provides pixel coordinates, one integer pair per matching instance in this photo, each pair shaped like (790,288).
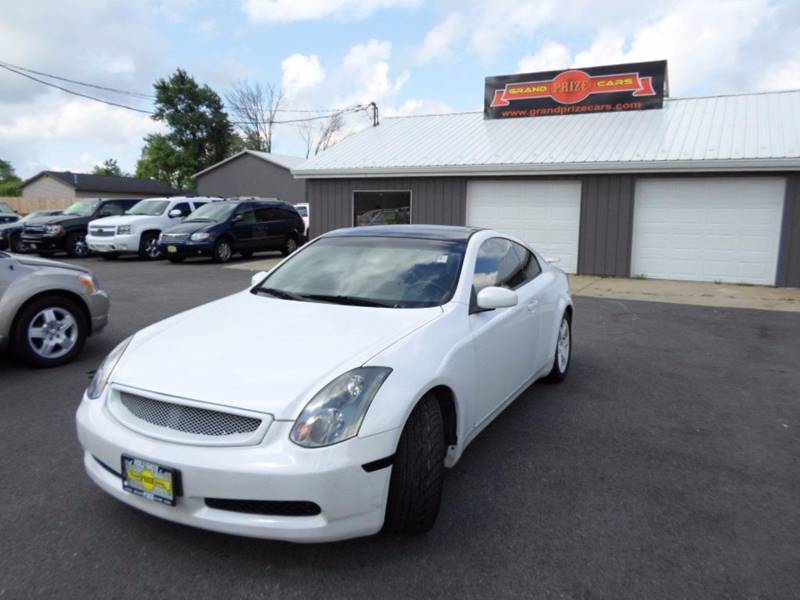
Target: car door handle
(533,304)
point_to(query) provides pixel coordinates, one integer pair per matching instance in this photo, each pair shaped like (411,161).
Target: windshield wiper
(351,300)
(282,294)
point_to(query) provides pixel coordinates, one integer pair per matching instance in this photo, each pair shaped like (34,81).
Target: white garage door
(545,214)
(708,229)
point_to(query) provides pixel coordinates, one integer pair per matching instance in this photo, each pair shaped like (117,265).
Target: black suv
(67,232)
(220,229)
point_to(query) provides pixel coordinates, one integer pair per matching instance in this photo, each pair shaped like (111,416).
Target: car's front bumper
(99,308)
(187,249)
(352,500)
(113,244)
(44,243)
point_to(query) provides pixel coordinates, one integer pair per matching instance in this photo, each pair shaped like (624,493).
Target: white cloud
(418,106)
(286,11)
(550,56)
(301,73)
(438,44)
(496,24)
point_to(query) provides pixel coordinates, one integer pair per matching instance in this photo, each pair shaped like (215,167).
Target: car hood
(42,263)
(260,353)
(122,220)
(15,224)
(193,227)
(57,219)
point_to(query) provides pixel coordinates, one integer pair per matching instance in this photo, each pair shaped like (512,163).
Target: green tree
(9,182)
(199,135)
(108,167)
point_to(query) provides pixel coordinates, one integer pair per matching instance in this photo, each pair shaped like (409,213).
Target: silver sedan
(48,309)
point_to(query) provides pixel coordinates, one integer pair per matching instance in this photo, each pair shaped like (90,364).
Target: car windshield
(151,208)
(370,271)
(83,208)
(213,211)
(302,210)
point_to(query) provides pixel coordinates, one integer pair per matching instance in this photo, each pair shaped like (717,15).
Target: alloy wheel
(562,351)
(53,332)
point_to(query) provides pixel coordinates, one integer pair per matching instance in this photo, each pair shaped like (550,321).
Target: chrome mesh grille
(174,237)
(188,419)
(100,232)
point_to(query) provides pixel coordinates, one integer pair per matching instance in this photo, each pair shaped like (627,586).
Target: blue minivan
(243,226)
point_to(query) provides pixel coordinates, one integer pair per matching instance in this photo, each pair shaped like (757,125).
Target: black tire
(558,374)
(223,250)
(16,245)
(23,348)
(148,246)
(76,245)
(110,255)
(175,259)
(289,245)
(415,489)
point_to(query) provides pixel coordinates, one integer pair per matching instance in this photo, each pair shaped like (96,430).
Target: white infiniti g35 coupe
(324,401)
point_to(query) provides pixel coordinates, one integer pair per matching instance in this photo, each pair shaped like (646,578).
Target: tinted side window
(199,204)
(264,214)
(498,264)
(113,209)
(183,207)
(288,214)
(529,263)
(248,216)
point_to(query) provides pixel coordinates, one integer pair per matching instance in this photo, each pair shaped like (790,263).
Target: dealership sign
(634,86)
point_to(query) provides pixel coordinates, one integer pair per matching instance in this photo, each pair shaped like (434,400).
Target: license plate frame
(172,249)
(150,480)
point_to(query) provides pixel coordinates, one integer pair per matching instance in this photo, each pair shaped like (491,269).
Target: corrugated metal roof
(282,160)
(738,132)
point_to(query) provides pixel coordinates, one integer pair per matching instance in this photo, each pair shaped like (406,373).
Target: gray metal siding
(251,176)
(789,253)
(606,229)
(434,200)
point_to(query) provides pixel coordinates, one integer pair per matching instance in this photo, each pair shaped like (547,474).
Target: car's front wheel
(415,489)
(50,331)
(77,246)
(223,250)
(17,245)
(148,247)
(563,355)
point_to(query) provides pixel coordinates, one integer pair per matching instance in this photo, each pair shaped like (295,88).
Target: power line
(82,83)
(73,92)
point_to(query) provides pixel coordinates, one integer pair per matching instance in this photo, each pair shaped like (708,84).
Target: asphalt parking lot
(666,466)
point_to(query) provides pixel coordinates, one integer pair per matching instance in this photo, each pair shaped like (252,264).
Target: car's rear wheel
(563,354)
(148,247)
(289,246)
(223,250)
(77,246)
(16,244)
(49,331)
(415,490)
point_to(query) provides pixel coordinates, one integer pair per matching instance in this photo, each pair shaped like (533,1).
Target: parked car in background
(421,336)
(11,233)
(48,309)
(138,230)
(304,210)
(9,218)
(5,208)
(67,232)
(222,229)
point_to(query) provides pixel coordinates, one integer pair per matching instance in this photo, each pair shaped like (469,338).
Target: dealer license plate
(149,480)
(172,249)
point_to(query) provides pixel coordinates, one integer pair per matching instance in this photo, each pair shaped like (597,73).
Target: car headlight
(335,413)
(200,237)
(103,373)
(54,230)
(123,230)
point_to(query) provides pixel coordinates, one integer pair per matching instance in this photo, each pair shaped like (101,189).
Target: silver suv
(48,309)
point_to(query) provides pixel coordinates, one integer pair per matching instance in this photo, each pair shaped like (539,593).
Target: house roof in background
(759,131)
(281,160)
(86,182)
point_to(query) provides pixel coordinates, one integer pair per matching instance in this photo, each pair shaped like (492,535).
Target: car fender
(415,373)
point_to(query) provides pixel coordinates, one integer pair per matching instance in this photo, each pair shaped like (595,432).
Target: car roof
(450,233)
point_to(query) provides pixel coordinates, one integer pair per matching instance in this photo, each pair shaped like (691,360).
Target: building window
(381,208)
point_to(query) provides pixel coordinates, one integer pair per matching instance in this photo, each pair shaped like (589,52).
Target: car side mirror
(493,297)
(257,278)
(175,212)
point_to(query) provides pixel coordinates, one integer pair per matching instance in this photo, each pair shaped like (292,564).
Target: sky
(408,56)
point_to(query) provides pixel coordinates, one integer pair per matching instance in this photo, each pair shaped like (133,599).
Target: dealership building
(703,189)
